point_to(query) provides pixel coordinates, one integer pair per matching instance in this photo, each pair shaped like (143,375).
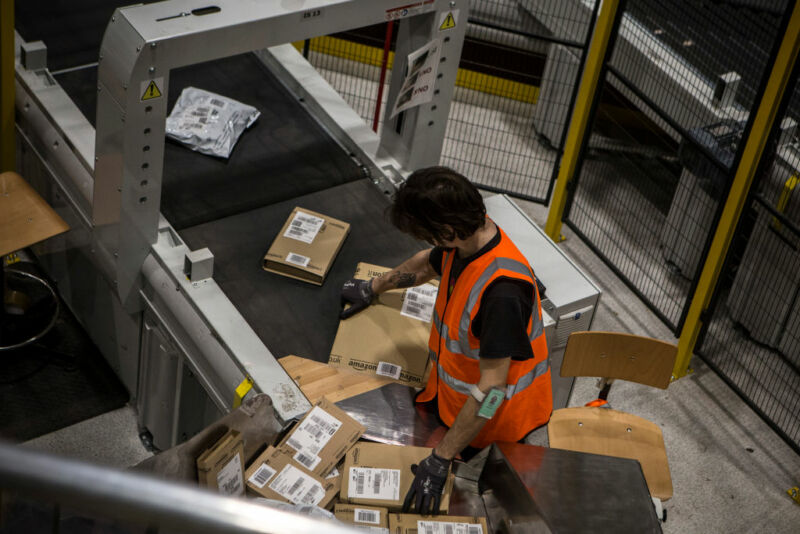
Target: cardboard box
(362,516)
(380,475)
(322,437)
(306,246)
(436,524)
(275,475)
(386,339)
(222,466)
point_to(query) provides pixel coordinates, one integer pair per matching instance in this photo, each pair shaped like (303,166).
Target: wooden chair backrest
(616,355)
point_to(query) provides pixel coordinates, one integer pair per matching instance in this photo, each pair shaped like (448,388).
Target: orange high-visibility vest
(455,351)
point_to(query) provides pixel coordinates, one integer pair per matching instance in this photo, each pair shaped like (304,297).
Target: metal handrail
(144,500)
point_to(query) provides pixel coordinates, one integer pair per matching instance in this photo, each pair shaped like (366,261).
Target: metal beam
(743,179)
(584,104)
(7,144)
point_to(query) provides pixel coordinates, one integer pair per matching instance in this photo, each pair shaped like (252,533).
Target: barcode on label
(360,483)
(218,103)
(310,496)
(304,227)
(419,302)
(307,459)
(388,369)
(428,529)
(297,259)
(376,483)
(262,475)
(295,486)
(368,516)
(474,529)
(448,529)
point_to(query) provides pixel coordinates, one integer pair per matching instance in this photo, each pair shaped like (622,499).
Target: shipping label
(230,479)
(297,487)
(388,369)
(372,483)
(261,476)
(304,227)
(361,515)
(419,302)
(447,527)
(314,432)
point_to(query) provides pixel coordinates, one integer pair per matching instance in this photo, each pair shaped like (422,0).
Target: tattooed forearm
(401,280)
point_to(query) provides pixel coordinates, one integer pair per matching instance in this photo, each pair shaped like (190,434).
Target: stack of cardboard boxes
(321,462)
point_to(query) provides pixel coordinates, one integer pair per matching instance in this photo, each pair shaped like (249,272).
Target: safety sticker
(372,483)
(448,20)
(419,302)
(230,480)
(388,369)
(297,487)
(362,515)
(448,527)
(304,227)
(314,432)
(150,89)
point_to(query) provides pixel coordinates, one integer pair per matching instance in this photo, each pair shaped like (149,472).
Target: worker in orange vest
(490,375)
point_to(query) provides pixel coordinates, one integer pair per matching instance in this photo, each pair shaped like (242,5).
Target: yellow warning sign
(152,91)
(448,23)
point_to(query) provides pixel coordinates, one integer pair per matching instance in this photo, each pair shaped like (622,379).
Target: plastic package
(209,123)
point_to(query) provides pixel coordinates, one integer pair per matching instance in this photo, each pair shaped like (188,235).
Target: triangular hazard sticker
(151,92)
(449,22)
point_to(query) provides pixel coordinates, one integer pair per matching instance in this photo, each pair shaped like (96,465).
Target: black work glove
(358,293)
(429,479)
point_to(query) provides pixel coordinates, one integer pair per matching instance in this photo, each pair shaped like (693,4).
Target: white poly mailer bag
(208,122)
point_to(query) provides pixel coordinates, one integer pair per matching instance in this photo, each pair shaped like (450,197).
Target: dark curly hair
(433,199)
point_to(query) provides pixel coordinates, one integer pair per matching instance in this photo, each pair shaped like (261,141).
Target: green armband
(490,401)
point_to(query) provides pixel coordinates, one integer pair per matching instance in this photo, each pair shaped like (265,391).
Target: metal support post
(743,179)
(7,148)
(584,104)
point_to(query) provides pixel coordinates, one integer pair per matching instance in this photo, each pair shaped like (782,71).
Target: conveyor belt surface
(290,316)
(285,154)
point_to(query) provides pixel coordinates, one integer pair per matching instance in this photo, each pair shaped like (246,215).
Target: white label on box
(230,479)
(388,369)
(261,476)
(307,460)
(448,527)
(360,515)
(298,259)
(419,302)
(371,483)
(297,487)
(333,474)
(304,227)
(314,432)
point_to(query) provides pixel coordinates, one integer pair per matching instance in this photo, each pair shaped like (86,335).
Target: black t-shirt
(502,319)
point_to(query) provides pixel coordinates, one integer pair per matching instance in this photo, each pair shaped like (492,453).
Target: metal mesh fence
(517,74)
(664,140)
(753,336)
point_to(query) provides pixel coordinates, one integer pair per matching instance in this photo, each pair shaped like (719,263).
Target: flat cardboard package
(275,475)
(436,524)
(306,246)
(322,437)
(380,475)
(374,517)
(222,466)
(389,338)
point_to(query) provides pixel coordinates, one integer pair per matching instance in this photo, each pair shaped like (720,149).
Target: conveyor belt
(293,317)
(285,154)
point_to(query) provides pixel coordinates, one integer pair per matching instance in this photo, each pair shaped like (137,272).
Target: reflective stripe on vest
(511,389)
(461,345)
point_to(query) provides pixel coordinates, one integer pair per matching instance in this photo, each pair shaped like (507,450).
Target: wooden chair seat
(613,433)
(25,218)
